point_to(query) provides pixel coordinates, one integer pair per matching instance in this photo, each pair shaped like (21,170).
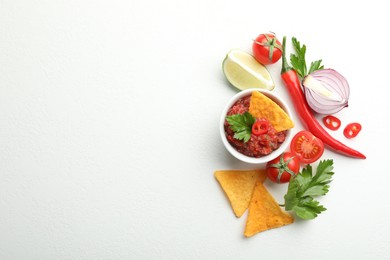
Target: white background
(109,137)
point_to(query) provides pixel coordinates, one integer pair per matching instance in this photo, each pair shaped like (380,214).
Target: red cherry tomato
(281,168)
(267,49)
(307,147)
(260,127)
(352,130)
(332,122)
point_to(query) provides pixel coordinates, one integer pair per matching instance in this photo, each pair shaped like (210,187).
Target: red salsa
(258,145)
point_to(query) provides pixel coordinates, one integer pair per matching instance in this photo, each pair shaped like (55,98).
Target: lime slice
(243,71)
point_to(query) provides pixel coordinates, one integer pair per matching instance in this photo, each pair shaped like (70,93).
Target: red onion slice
(326,90)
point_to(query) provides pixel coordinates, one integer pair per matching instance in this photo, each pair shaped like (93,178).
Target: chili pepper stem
(285,66)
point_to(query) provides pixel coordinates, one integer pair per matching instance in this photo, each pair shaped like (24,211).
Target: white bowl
(264,159)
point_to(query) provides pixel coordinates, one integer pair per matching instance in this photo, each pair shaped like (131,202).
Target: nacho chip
(238,186)
(264,212)
(262,106)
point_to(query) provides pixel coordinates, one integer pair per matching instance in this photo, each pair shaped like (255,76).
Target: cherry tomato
(307,147)
(332,122)
(260,127)
(267,49)
(281,168)
(352,130)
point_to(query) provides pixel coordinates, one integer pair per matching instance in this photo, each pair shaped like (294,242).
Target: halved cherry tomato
(267,49)
(307,147)
(352,130)
(331,122)
(281,168)
(260,127)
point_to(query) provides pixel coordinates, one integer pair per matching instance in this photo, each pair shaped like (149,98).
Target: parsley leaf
(298,60)
(315,65)
(241,125)
(304,186)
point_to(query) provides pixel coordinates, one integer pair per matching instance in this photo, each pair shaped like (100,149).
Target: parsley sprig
(241,125)
(304,187)
(298,60)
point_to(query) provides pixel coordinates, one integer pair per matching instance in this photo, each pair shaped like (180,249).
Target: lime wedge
(243,71)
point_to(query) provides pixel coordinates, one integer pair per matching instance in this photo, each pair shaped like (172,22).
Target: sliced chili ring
(331,122)
(260,127)
(352,130)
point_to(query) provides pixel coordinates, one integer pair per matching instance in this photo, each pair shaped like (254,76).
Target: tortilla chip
(264,212)
(262,106)
(238,186)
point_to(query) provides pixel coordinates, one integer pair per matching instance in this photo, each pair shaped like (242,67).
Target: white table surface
(109,138)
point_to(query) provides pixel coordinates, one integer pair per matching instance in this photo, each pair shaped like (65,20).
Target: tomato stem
(282,167)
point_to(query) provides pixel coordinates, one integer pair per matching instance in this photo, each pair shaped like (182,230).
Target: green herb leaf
(241,125)
(308,208)
(315,65)
(298,60)
(304,186)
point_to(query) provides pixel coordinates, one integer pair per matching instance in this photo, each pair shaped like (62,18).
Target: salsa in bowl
(255,126)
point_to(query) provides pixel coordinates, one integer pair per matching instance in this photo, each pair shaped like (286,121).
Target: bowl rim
(252,160)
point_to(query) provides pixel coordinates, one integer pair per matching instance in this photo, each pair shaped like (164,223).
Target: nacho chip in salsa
(262,106)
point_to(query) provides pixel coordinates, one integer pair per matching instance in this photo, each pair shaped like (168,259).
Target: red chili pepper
(260,127)
(291,81)
(352,130)
(332,122)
